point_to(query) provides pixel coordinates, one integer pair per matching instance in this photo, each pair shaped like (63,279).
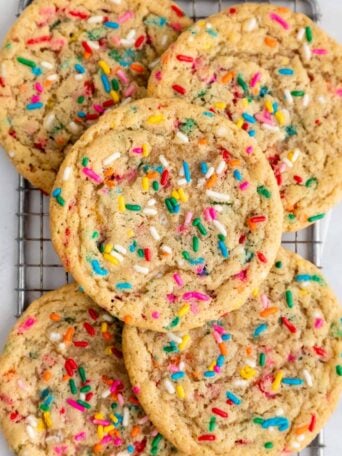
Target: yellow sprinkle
(47,419)
(304,292)
(108,248)
(130,233)
(185,341)
(175,194)
(104,327)
(182,195)
(201,23)
(180,392)
(220,105)
(155,119)
(145,183)
(239,123)
(245,102)
(146,150)
(212,365)
(269,106)
(108,428)
(279,115)
(247,372)
(99,416)
(110,258)
(113,418)
(255,293)
(108,351)
(115,96)
(104,67)
(277,380)
(183,310)
(100,432)
(290,155)
(121,203)
(40,425)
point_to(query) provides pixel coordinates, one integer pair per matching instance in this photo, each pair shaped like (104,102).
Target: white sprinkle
(295,445)
(141,269)
(52,439)
(107,317)
(150,211)
(125,420)
(55,337)
(307,51)
(300,34)
(93,45)
(116,2)
(181,171)
(270,127)
(67,173)
(166,249)
(182,137)
(288,162)
(169,386)
(83,396)
(222,131)
(163,161)
(61,347)
(250,362)
(79,76)
(154,63)
(126,101)
(220,227)
(31,432)
(32,421)
(221,167)
(182,182)
(117,255)
(154,233)
(308,377)
(241,383)
(49,121)
(210,172)
(174,337)
(296,154)
(208,25)
(95,20)
(11,154)
(279,412)
(301,437)
(218,196)
(306,100)
(151,202)
(131,34)
(52,77)
(74,128)
(321,99)
(47,65)
(120,248)
(111,158)
(105,394)
(218,208)
(288,96)
(163,40)
(250,25)
(181,366)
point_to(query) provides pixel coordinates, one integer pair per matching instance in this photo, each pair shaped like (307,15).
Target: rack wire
(39,269)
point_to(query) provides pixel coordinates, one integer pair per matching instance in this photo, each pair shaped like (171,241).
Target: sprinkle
(184,58)
(247,372)
(263,191)
(316,217)
(163,161)
(133,207)
(277,381)
(187,173)
(182,137)
(185,341)
(169,387)
(286,71)
(339,370)
(288,97)
(177,375)
(221,197)
(233,398)
(219,412)
(123,286)
(34,106)
(121,203)
(179,89)
(308,377)
(220,227)
(75,405)
(248,118)
(268,445)
(312,424)
(92,175)
(289,298)
(104,67)
(290,326)
(112,25)
(280,422)
(166,249)
(26,62)
(95,264)
(177,278)
(195,295)
(250,25)
(260,329)
(141,269)
(280,21)
(223,249)
(206,438)
(155,119)
(292,381)
(154,233)
(242,83)
(180,392)
(262,359)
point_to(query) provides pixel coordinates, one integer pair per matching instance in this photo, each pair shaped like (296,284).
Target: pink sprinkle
(26,325)
(121,399)
(194,308)
(213,213)
(158,75)
(207,215)
(115,385)
(171,297)
(125,17)
(131,89)
(136,389)
(61,450)
(117,441)
(280,21)
(137,150)
(319,322)
(177,27)
(263,118)
(242,275)
(173,368)
(291,358)
(143,420)
(35,99)
(122,76)
(106,439)
(79,437)
(200,269)
(92,175)
(101,422)
(155,315)
(339,92)
(249,150)
(217,337)
(282,167)
(264,301)
(75,405)
(217,369)
(188,218)
(244,185)
(196,295)
(178,279)
(320,51)
(219,329)
(255,79)
(39,87)
(98,108)
(154,432)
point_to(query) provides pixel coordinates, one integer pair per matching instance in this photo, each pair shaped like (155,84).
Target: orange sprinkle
(249,351)
(136,430)
(252,226)
(301,429)
(128,319)
(97,448)
(226,78)
(47,84)
(269,311)
(46,376)
(55,317)
(223,348)
(107,336)
(202,141)
(86,55)
(211,181)
(152,175)
(234,162)
(282,9)
(137,67)
(69,334)
(271,42)
(65,378)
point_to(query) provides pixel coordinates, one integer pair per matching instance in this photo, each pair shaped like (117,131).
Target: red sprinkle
(207,437)
(179,89)
(261,257)
(312,424)
(108,104)
(92,116)
(39,39)
(93,314)
(164,178)
(2,82)
(232,10)
(177,10)
(148,254)
(290,326)
(298,179)
(81,343)
(70,366)
(320,351)
(257,219)
(79,14)
(89,396)
(219,412)
(90,329)
(184,58)
(139,41)
(86,47)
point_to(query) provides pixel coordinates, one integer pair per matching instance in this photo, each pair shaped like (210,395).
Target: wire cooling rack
(39,269)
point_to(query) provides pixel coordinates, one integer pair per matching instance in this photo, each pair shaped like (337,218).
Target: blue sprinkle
(81,114)
(260,329)
(252,133)
(275,106)
(220,361)
(204,167)
(123,286)
(48,401)
(292,381)
(208,114)
(209,374)
(33,106)
(232,397)
(105,82)
(237,175)
(79,68)
(113,25)
(97,268)
(57,191)
(212,32)
(130,449)
(302,277)
(199,260)
(280,422)
(177,375)
(286,71)
(133,246)
(159,169)
(248,118)
(223,249)
(45,393)
(226,336)
(187,173)
(37,71)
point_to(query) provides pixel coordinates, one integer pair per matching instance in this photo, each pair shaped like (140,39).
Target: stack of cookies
(176,155)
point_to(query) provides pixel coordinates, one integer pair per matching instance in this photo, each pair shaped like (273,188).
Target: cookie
(278,76)
(63,64)
(166,214)
(64,389)
(260,381)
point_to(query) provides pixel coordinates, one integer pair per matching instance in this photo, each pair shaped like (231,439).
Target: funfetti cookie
(166,214)
(64,389)
(64,63)
(278,76)
(260,381)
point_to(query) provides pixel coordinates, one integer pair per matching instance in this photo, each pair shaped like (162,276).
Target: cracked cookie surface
(166,215)
(65,63)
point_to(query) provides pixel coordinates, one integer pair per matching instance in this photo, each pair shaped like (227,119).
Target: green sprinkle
(140,253)
(291,217)
(156,441)
(262,359)
(313,181)
(201,228)
(101,248)
(242,83)
(196,221)
(169,205)
(186,255)
(115,84)
(84,404)
(278,264)
(27,62)
(316,217)
(268,445)
(221,237)
(212,424)
(60,200)
(72,386)
(195,243)
(308,34)
(297,93)
(82,374)
(133,207)
(80,100)
(258,420)
(95,235)
(263,191)
(85,161)
(290,130)
(113,405)
(174,322)
(44,407)
(289,298)
(339,370)
(155,186)
(85,389)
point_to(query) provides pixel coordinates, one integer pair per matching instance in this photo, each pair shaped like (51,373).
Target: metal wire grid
(39,269)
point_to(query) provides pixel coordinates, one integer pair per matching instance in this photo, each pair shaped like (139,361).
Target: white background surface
(332,254)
